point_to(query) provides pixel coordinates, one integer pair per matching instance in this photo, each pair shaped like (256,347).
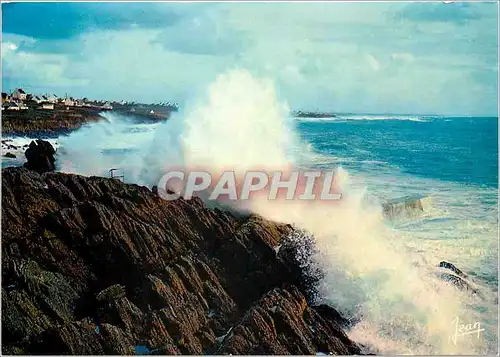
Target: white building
(12,106)
(19,94)
(107,106)
(48,106)
(37,99)
(69,102)
(53,99)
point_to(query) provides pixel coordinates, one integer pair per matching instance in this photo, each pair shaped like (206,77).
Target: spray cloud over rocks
(241,125)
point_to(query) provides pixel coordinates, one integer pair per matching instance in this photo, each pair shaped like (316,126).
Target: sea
(379,273)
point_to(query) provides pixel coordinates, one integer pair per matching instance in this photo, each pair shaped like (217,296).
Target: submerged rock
(406,207)
(453,268)
(10,155)
(94,266)
(456,278)
(457,281)
(40,156)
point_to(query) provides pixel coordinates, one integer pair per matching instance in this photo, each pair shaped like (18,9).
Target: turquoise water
(461,150)
(452,159)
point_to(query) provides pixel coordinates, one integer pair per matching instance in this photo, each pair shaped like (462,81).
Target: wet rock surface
(456,277)
(453,268)
(94,266)
(410,207)
(40,156)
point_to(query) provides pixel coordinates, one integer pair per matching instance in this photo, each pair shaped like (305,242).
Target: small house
(48,106)
(69,102)
(107,106)
(37,99)
(53,99)
(12,106)
(19,94)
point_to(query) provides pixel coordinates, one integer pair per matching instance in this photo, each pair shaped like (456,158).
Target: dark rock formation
(40,156)
(94,266)
(10,155)
(453,268)
(406,207)
(283,323)
(457,281)
(457,278)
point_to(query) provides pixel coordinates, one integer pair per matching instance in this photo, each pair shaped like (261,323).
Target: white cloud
(346,57)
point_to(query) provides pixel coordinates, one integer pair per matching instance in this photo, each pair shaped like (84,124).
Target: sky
(399,57)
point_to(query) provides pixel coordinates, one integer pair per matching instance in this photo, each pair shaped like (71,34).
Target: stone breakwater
(94,266)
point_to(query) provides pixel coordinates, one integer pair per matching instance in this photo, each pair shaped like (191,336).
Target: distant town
(26,113)
(20,100)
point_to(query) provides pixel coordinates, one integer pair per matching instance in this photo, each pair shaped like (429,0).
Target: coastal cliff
(46,123)
(94,266)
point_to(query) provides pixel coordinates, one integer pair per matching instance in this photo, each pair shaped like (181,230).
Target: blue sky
(352,57)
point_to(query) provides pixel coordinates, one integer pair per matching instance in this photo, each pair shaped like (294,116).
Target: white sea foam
(342,118)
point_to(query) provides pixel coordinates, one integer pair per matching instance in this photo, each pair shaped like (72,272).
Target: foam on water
(342,118)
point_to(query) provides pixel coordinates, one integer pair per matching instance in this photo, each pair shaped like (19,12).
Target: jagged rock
(91,265)
(10,155)
(114,292)
(21,317)
(453,268)
(40,156)
(83,338)
(458,278)
(296,251)
(329,313)
(406,207)
(283,323)
(457,281)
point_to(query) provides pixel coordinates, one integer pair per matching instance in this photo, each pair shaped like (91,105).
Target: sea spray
(367,271)
(402,308)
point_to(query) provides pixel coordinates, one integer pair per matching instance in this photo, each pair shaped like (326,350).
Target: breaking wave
(370,271)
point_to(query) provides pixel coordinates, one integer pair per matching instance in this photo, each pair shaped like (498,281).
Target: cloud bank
(423,58)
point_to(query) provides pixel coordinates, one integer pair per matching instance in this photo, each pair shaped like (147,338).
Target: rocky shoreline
(39,123)
(94,266)
(91,265)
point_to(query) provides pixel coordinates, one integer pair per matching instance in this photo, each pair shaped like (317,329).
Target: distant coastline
(29,115)
(39,123)
(308,114)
